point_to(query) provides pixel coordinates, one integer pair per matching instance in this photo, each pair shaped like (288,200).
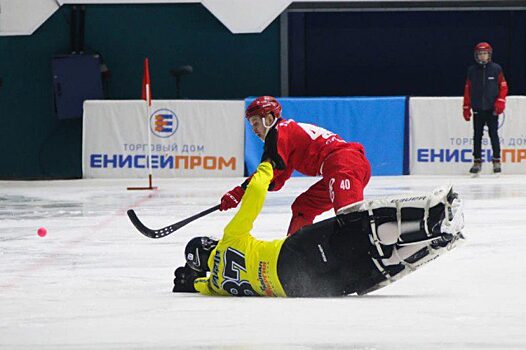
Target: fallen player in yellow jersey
(366,246)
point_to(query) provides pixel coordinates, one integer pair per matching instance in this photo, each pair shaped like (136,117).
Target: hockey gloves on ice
(184,279)
(499,106)
(467,113)
(232,198)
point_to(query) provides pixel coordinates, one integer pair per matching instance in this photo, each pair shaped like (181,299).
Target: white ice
(94,282)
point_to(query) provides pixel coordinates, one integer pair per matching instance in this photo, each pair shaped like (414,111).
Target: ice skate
(476,168)
(496,167)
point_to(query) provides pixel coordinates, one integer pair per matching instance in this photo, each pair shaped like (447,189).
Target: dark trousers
(480,119)
(328,258)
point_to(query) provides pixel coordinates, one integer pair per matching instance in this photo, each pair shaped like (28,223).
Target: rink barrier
(188,139)
(401,135)
(441,141)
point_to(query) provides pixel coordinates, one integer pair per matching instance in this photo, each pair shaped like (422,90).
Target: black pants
(480,119)
(328,258)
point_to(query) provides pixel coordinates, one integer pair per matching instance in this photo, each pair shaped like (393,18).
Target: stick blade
(165,231)
(140,226)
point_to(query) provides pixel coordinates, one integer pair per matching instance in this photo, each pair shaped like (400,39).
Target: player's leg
(406,232)
(308,264)
(308,205)
(329,258)
(346,173)
(493,126)
(412,218)
(478,129)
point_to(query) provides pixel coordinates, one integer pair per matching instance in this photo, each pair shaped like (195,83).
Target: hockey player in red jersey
(312,151)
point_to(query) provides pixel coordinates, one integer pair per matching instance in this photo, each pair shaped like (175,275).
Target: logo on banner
(164,123)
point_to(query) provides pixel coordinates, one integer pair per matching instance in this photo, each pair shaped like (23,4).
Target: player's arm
(500,102)
(202,285)
(466,106)
(271,150)
(232,198)
(280,177)
(503,86)
(252,201)
(277,150)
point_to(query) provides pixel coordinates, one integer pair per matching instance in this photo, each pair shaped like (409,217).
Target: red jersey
(303,147)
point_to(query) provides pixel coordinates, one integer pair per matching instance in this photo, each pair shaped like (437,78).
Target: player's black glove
(184,279)
(270,151)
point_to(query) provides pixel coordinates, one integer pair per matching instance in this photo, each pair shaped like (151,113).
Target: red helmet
(263,105)
(482,46)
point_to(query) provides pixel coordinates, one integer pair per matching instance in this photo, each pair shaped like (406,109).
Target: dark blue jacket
(484,80)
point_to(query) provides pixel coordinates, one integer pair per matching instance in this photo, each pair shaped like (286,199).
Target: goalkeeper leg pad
(408,231)
(410,219)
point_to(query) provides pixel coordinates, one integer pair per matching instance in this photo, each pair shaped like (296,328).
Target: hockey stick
(165,231)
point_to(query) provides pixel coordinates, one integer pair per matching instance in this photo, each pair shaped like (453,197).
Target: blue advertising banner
(376,122)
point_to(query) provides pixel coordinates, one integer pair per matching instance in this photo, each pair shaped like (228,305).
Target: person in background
(485,94)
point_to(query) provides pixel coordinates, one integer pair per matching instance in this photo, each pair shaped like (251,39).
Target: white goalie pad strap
(426,216)
(399,221)
(380,268)
(400,253)
(415,200)
(374,234)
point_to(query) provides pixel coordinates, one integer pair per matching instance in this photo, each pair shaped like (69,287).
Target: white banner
(441,141)
(188,139)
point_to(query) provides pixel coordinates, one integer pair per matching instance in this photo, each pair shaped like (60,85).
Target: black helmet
(198,251)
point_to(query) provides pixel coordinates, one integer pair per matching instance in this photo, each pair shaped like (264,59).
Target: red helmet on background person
(482,47)
(262,106)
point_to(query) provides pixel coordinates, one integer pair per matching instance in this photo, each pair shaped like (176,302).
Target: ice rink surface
(94,282)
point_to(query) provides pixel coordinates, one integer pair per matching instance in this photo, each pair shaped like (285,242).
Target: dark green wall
(35,144)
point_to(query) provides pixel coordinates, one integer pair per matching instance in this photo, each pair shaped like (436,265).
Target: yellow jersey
(242,265)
